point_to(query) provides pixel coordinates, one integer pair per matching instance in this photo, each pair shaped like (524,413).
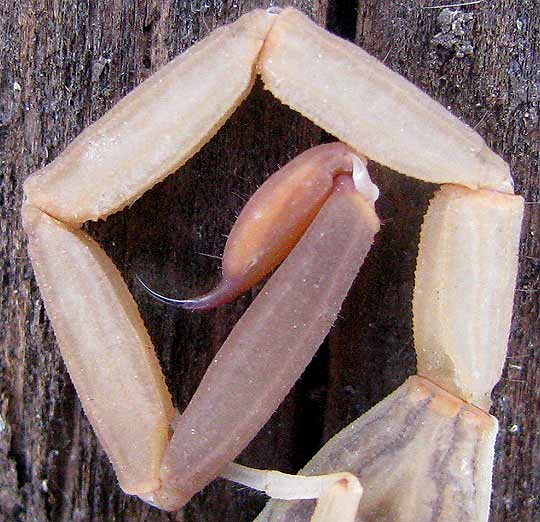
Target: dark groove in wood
(342,18)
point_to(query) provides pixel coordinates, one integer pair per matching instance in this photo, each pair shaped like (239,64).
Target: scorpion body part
(425,453)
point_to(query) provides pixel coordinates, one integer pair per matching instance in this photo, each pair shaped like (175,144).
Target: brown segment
(273,221)
(269,347)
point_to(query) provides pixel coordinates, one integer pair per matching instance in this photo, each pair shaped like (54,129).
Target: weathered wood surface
(63,64)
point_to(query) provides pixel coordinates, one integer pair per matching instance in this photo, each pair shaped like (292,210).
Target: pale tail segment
(465,280)
(155,129)
(270,346)
(421,455)
(106,348)
(377,112)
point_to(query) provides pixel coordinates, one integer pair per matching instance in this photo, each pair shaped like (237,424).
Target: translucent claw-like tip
(178,303)
(362,180)
(222,294)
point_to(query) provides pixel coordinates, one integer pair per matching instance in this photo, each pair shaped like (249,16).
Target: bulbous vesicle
(274,219)
(270,346)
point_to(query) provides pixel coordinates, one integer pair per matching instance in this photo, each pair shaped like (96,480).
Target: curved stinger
(276,217)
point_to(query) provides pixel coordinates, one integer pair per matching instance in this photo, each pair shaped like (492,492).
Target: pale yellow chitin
(465,279)
(431,435)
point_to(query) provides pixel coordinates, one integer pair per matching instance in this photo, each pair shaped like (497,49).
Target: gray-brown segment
(421,455)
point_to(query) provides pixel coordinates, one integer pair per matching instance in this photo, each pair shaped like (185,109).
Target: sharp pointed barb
(220,295)
(178,303)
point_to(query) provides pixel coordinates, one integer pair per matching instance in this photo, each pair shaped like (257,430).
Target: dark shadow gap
(342,17)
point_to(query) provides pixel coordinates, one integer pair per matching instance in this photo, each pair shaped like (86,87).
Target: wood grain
(63,64)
